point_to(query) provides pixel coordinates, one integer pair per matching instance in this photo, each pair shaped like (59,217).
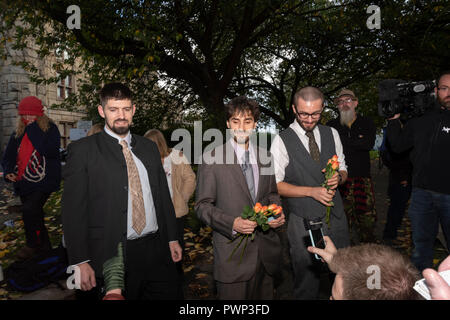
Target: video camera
(411,99)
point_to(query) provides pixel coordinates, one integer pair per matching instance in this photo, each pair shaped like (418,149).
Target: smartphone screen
(317,240)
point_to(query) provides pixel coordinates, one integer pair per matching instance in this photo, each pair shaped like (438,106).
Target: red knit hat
(31,106)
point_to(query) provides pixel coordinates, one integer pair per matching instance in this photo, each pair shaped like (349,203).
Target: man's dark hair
(397,274)
(242,104)
(308,94)
(441,74)
(116,91)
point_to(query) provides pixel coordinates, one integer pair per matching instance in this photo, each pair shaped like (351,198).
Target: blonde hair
(96,128)
(42,121)
(156,136)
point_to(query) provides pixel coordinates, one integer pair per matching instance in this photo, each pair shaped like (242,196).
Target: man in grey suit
(300,154)
(231,177)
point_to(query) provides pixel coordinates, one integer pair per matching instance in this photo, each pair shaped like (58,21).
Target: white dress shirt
(240,151)
(281,157)
(151,224)
(167,165)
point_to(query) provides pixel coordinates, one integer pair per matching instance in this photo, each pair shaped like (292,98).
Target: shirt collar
(119,139)
(298,128)
(240,151)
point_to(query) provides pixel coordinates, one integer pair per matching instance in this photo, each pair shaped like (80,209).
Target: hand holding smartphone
(316,234)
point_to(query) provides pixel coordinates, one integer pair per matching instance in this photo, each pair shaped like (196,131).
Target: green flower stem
(245,246)
(236,247)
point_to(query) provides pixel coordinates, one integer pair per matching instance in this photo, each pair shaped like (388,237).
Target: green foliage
(185,59)
(247,213)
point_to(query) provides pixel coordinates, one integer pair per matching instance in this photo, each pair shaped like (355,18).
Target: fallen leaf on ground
(3,253)
(187,269)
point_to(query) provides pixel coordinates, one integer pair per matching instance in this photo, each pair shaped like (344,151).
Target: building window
(64,130)
(64,87)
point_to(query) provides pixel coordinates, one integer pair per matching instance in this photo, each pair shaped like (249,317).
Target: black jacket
(95,198)
(357,142)
(47,145)
(429,138)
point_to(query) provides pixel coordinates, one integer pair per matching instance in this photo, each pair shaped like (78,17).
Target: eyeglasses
(305,115)
(342,101)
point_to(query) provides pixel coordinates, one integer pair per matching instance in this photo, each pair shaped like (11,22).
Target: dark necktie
(137,199)
(248,173)
(313,148)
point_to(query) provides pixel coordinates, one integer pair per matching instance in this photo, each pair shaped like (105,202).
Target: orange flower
(335,165)
(329,161)
(264,209)
(278,210)
(334,158)
(272,207)
(257,208)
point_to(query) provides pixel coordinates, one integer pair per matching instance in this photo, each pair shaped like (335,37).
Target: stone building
(16,84)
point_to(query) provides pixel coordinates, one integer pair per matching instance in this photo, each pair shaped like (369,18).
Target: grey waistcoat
(302,170)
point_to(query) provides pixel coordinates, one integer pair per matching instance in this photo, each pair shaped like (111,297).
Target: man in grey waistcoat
(300,154)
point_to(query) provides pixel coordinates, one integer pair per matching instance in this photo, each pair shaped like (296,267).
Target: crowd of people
(125,200)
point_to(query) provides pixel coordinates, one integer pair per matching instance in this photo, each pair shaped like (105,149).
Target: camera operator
(399,188)
(428,137)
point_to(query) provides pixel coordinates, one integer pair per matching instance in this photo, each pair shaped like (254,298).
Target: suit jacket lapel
(236,170)
(260,177)
(113,147)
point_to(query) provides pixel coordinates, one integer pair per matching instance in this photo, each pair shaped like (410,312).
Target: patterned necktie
(313,148)
(248,173)
(134,181)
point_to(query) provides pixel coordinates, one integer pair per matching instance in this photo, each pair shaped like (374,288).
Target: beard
(119,130)
(346,117)
(240,136)
(307,129)
(445,102)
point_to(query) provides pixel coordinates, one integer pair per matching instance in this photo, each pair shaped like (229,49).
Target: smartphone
(317,240)
(274,217)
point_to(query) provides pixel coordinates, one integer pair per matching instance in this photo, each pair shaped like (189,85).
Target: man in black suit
(115,191)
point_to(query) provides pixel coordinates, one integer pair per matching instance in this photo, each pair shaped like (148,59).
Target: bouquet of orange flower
(330,170)
(262,215)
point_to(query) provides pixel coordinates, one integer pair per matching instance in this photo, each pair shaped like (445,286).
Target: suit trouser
(305,266)
(148,273)
(258,287)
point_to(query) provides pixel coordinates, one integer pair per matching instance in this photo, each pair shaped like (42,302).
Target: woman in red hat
(31,161)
